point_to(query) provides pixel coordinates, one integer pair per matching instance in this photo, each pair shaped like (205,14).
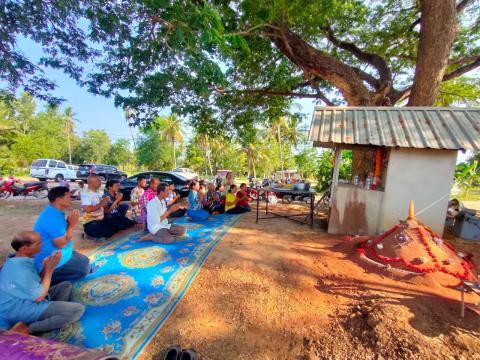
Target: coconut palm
(293,135)
(277,128)
(70,125)
(173,133)
(203,141)
(130,116)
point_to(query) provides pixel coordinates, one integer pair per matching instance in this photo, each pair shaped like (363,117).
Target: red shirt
(242,198)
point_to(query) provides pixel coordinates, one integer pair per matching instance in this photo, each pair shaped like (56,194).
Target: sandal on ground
(188,354)
(173,353)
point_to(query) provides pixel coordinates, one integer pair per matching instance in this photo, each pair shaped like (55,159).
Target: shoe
(173,353)
(188,354)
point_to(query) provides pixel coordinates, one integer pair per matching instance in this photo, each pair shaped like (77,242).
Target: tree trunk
(174,155)
(437,32)
(209,161)
(280,148)
(69,144)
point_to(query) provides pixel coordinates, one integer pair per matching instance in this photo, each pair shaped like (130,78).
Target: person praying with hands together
(160,230)
(56,232)
(29,301)
(115,212)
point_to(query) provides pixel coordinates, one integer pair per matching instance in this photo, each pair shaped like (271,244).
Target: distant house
(405,153)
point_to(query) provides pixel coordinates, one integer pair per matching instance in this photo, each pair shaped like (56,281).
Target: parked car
(104,172)
(180,181)
(72,169)
(185,172)
(44,169)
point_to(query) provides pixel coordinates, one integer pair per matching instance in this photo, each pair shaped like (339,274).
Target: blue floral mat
(137,285)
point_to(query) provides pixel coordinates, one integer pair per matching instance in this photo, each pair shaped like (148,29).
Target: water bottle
(368,183)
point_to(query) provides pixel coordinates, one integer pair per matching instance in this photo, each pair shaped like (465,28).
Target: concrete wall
(355,211)
(422,175)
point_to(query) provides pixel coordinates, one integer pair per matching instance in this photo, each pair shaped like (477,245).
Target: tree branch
(317,63)
(373,59)
(369,79)
(405,93)
(460,7)
(267,92)
(248,32)
(462,70)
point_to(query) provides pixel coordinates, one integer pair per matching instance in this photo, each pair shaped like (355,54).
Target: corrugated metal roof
(414,127)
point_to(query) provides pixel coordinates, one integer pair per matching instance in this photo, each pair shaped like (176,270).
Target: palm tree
(173,133)
(293,135)
(249,150)
(203,141)
(130,115)
(69,127)
(277,127)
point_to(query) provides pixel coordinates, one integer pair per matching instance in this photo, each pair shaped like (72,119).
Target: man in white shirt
(92,209)
(157,218)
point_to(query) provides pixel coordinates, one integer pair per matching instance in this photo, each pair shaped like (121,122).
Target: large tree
(237,62)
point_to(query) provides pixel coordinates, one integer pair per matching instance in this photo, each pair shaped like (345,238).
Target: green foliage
(120,154)
(467,177)
(26,135)
(153,151)
(325,168)
(460,91)
(213,62)
(306,161)
(55,25)
(94,147)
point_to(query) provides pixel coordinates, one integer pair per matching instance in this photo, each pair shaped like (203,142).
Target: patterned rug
(137,285)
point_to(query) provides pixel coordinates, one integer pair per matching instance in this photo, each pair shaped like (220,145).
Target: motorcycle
(13,187)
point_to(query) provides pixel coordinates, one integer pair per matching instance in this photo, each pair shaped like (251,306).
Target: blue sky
(92,112)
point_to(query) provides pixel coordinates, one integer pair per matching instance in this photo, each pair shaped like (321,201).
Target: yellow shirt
(230,198)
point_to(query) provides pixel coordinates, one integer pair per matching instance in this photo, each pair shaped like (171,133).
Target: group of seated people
(35,282)
(152,207)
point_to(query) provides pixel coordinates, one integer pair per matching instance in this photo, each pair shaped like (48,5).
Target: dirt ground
(280,290)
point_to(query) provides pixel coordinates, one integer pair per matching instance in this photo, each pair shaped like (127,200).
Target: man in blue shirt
(27,297)
(56,233)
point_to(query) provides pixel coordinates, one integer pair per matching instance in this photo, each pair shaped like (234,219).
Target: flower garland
(370,247)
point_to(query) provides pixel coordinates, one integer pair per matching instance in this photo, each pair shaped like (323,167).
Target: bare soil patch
(280,290)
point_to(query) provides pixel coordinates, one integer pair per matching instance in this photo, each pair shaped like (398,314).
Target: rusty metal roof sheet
(413,127)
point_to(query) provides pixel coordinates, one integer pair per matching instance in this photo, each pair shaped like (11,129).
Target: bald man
(93,203)
(27,297)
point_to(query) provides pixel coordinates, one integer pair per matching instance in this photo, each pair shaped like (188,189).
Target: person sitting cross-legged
(243,197)
(56,232)
(92,202)
(115,213)
(29,298)
(212,201)
(195,198)
(172,198)
(231,202)
(160,230)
